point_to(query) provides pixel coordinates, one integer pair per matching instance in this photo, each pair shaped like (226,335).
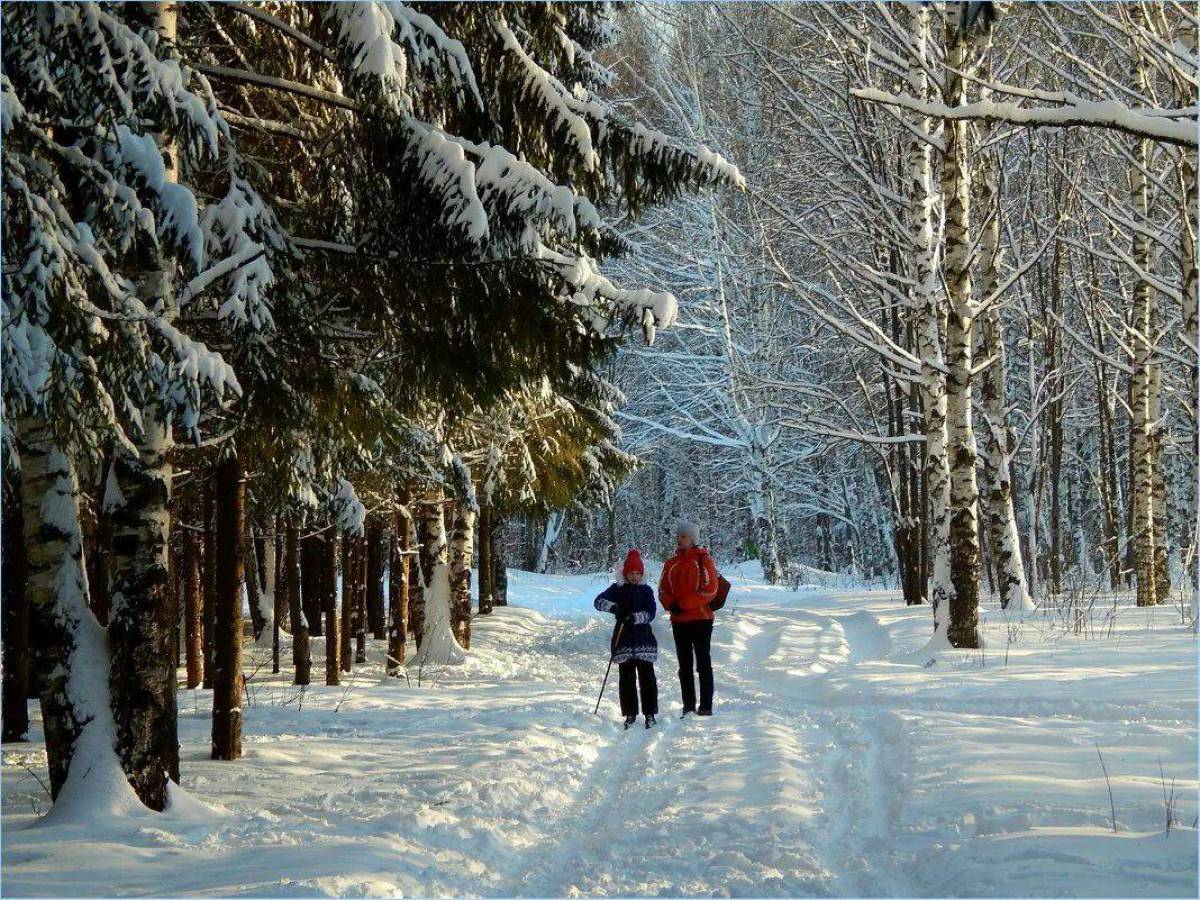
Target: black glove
(675,609)
(628,620)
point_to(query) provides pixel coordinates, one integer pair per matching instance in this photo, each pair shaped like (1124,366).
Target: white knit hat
(691,529)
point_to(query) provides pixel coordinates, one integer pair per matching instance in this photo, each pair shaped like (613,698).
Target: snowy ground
(836,764)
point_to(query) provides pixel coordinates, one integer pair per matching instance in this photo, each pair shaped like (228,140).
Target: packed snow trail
(837,763)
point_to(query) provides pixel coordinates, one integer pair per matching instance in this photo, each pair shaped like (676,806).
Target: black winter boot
(629,720)
(650,720)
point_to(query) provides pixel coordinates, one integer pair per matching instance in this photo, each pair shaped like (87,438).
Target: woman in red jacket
(687,586)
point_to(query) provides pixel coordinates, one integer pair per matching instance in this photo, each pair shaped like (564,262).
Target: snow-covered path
(837,764)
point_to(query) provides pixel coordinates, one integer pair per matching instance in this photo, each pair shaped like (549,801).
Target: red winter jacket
(689,581)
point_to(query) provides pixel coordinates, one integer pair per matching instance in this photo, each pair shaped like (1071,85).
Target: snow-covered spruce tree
(102,228)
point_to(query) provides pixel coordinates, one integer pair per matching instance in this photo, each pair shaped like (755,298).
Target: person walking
(633,646)
(687,587)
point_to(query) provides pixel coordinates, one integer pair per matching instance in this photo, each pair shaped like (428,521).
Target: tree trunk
(431,550)
(259,614)
(277,594)
(764,523)
(375,619)
(193,609)
(416,585)
(1109,488)
(1162,574)
(962,629)
(310,583)
(142,674)
(1002,515)
(227,627)
(462,542)
(14,629)
(1002,531)
(499,556)
(1142,403)
(925,309)
(99,550)
(398,595)
(360,599)
(56,590)
(348,591)
(554,524)
(439,644)
(485,560)
(329,555)
(301,658)
(1185,92)
(210,583)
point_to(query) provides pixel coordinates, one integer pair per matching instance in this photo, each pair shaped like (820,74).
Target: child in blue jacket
(633,646)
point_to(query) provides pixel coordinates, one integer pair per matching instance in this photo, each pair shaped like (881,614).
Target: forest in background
(304,310)
(893,274)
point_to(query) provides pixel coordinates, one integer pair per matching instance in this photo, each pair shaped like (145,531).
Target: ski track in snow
(836,764)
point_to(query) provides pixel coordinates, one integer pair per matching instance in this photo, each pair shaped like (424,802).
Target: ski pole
(616,640)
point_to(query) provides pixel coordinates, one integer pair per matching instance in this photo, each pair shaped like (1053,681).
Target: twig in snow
(1111,804)
(1168,801)
(37,778)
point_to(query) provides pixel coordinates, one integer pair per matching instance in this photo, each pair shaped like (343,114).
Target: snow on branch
(1168,126)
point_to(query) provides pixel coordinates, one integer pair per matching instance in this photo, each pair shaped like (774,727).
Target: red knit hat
(633,563)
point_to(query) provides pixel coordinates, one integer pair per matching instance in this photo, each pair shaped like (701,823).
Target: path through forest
(836,764)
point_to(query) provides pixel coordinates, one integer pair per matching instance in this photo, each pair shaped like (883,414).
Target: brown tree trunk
(209,572)
(499,554)
(14,629)
(375,619)
(258,621)
(329,604)
(360,600)
(310,583)
(398,595)
(486,576)
(193,609)
(416,586)
(347,632)
(279,592)
(227,620)
(301,658)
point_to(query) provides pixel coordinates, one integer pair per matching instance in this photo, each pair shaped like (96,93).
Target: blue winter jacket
(637,640)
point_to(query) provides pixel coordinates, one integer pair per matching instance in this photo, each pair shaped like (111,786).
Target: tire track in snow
(864,751)
(609,779)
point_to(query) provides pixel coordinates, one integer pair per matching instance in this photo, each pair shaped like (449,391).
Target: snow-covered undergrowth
(837,763)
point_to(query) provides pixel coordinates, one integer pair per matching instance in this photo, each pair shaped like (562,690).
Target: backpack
(723,587)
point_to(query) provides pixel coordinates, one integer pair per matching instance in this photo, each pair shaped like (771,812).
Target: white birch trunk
(70,656)
(438,645)
(1141,464)
(1002,517)
(925,309)
(554,524)
(760,512)
(462,545)
(963,628)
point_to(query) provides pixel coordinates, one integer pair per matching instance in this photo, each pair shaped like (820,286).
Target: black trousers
(692,645)
(630,675)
